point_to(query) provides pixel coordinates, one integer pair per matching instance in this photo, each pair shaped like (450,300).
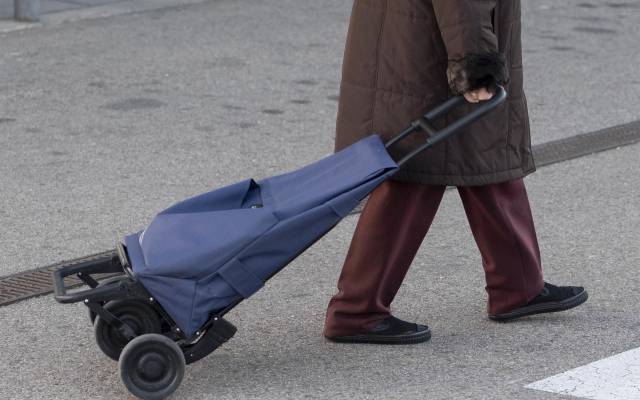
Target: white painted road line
(612,378)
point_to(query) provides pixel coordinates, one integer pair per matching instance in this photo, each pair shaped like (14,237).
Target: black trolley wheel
(92,315)
(152,366)
(141,317)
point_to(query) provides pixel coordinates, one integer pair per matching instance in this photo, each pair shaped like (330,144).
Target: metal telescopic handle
(437,136)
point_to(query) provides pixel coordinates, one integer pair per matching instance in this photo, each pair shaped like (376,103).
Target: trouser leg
(502,225)
(390,230)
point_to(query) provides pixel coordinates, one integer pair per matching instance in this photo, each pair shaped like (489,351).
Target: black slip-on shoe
(390,330)
(551,299)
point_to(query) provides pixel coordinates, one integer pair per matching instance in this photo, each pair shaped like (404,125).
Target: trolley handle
(436,136)
(86,267)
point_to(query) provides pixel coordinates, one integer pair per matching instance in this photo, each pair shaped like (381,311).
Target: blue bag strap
(238,276)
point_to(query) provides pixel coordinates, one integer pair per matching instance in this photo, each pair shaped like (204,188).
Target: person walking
(401,58)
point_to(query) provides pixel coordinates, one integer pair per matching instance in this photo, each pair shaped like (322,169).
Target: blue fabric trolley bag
(170,285)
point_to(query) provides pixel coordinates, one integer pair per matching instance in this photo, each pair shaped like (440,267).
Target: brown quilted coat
(404,56)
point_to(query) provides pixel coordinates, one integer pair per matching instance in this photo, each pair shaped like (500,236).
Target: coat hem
(462,180)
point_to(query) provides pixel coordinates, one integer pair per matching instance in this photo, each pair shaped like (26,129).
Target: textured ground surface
(105,121)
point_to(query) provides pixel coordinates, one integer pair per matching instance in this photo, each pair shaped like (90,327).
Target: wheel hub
(151,367)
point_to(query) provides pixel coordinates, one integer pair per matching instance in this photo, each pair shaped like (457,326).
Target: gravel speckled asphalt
(104,122)
(587,236)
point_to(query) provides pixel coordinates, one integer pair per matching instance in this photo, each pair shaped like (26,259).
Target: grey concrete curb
(27,10)
(96,12)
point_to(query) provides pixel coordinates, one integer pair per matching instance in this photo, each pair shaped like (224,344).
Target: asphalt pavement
(104,122)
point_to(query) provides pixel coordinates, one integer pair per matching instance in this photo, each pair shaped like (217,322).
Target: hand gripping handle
(437,136)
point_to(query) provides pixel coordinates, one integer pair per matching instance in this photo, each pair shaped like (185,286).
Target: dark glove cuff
(475,71)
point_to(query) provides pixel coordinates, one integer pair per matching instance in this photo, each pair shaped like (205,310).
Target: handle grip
(437,136)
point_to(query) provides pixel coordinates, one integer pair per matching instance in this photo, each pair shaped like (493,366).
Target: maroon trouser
(394,223)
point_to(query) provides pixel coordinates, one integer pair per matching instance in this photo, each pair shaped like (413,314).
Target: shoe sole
(418,337)
(542,308)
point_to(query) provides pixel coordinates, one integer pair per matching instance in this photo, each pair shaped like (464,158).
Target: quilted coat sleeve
(466,27)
